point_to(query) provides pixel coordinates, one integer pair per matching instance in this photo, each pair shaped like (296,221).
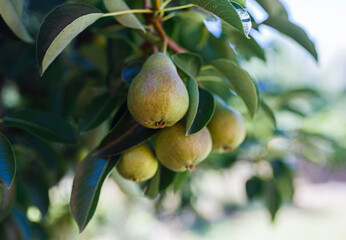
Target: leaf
(59,28)
(272,197)
(192,88)
(154,185)
(179,180)
(126,134)
(189,63)
(7,162)
(284,26)
(240,82)
(229,11)
(166,178)
(273,7)
(127,20)
(9,13)
(90,175)
(100,108)
(219,88)
(205,111)
(6,201)
(42,124)
(253,187)
(22,224)
(269,112)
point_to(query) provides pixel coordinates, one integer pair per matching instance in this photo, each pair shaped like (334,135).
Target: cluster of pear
(158,98)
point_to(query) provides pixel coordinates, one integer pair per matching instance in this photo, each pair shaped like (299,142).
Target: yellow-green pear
(227,128)
(157,96)
(179,152)
(138,164)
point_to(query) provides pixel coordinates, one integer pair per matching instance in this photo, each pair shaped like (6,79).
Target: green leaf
(240,82)
(60,27)
(189,63)
(229,11)
(272,197)
(179,180)
(254,187)
(154,185)
(205,111)
(166,178)
(18,6)
(7,162)
(126,134)
(21,223)
(6,201)
(10,15)
(100,108)
(90,175)
(192,88)
(219,88)
(127,20)
(284,26)
(273,7)
(269,112)
(42,124)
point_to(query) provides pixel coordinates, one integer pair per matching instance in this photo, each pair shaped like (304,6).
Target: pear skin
(227,128)
(179,152)
(138,164)
(157,96)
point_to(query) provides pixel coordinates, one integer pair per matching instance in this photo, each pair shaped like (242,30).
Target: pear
(227,128)
(179,152)
(138,164)
(157,96)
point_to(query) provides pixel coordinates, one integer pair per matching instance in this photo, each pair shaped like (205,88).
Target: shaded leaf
(229,11)
(127,20)
(6,201)
(240,82)
(10,14)
(7,162)
(288,28)
(21,223)
(189,63)
(254,187)
(100,108)
(131,70)
(269,112)
(126,134)
(167,178)
(192,88)
(205,111)
(272,198)
(154,185)
(219,88)
(179,180)
(42,124)
(60,27)
(90,175)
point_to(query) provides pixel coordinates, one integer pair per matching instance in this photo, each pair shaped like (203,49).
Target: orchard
(151,89)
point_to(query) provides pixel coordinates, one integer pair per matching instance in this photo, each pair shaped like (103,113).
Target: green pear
(157,96)
(227,128)
(179,152)
(138,164)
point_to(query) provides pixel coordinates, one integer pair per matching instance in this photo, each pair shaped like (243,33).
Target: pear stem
(163,36)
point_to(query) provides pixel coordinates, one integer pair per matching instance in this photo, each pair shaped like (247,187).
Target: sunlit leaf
(60,27)
(7,162)
(219,88)
(240,82)
(269,112)
(228,11)
(126,134)
(127,20)
(273,7)
(42,124)
(10,14)
(90,175)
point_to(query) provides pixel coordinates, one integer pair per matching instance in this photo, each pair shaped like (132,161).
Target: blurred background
(220,200)
(219,208)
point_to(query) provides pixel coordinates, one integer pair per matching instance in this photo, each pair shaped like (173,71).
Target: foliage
(73,83)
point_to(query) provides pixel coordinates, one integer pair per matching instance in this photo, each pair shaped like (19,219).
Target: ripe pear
(138,164)
(157,96)
(227,128)
(179,152)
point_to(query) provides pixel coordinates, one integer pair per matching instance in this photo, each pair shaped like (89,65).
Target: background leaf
(128,20)
(42,124)
(58,29)
(126,133)
(86,189)
(10,15)
(240,82)
(189,63)
(269,112)
(179,180)
(284,26)
(273,7)
(192,88)
(154,185)
(229,11)
(7,162)
(205,111)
